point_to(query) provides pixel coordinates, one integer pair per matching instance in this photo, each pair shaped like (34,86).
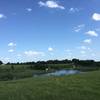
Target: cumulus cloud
(88,41)
(79,27)
(73,10)
(50,49)
(29,9)
(31,53)
(2,16)
(96,16)
(50,4)
(92,33)
(11,44)
(11,50)
(83,47)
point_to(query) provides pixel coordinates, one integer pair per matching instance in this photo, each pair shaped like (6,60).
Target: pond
(60,73)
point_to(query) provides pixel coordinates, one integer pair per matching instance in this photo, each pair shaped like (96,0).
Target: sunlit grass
(84,86)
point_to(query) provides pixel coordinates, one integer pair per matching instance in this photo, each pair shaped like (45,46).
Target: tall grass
(84,86)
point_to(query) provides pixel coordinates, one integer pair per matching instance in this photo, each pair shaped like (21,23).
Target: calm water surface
(60,73)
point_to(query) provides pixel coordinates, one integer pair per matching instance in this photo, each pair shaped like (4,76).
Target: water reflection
(63,72)
(60,73)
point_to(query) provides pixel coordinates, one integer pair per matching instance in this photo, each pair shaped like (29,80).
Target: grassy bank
(84,86)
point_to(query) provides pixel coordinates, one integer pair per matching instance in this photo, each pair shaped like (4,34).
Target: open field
(85,86)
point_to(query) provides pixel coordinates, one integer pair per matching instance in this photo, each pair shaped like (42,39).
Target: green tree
(1,62)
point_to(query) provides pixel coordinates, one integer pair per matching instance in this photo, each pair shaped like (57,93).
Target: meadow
(17,81)
(13,72)
(84,86)
(18,71)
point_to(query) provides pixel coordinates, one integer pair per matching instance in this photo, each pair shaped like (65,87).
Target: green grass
(25,71)
(19,72)
(85,86)
(7,72)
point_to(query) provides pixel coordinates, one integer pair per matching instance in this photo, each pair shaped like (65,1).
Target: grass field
(85,86)
(25,71)
(7,72)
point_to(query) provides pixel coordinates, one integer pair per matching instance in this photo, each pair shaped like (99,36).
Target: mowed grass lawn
(85,86)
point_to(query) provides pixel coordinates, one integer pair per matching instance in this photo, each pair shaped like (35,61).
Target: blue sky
(32,30)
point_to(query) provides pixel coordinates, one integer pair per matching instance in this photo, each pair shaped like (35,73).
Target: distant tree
(8,63)
(40,66)
(66,61)
(41,62)
(17,63)
(75,62)
(1,62)
(89,63)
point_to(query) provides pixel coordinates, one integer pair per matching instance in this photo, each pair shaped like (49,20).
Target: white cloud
(83,47)
(5,59)
(11,44)
(88,41)
(96,16)
(82,52)
(79,27)
(68,50)
(31,53)
(11,50)
(77,30)
(41,3)
(51,4)
(92,33)
(19,56)
(29,9)
(73,10)
(50,49)
(2,16)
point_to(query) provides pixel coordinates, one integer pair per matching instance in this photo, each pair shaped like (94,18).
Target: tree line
(74,61)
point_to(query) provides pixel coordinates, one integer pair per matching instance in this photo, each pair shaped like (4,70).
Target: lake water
(60,73)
